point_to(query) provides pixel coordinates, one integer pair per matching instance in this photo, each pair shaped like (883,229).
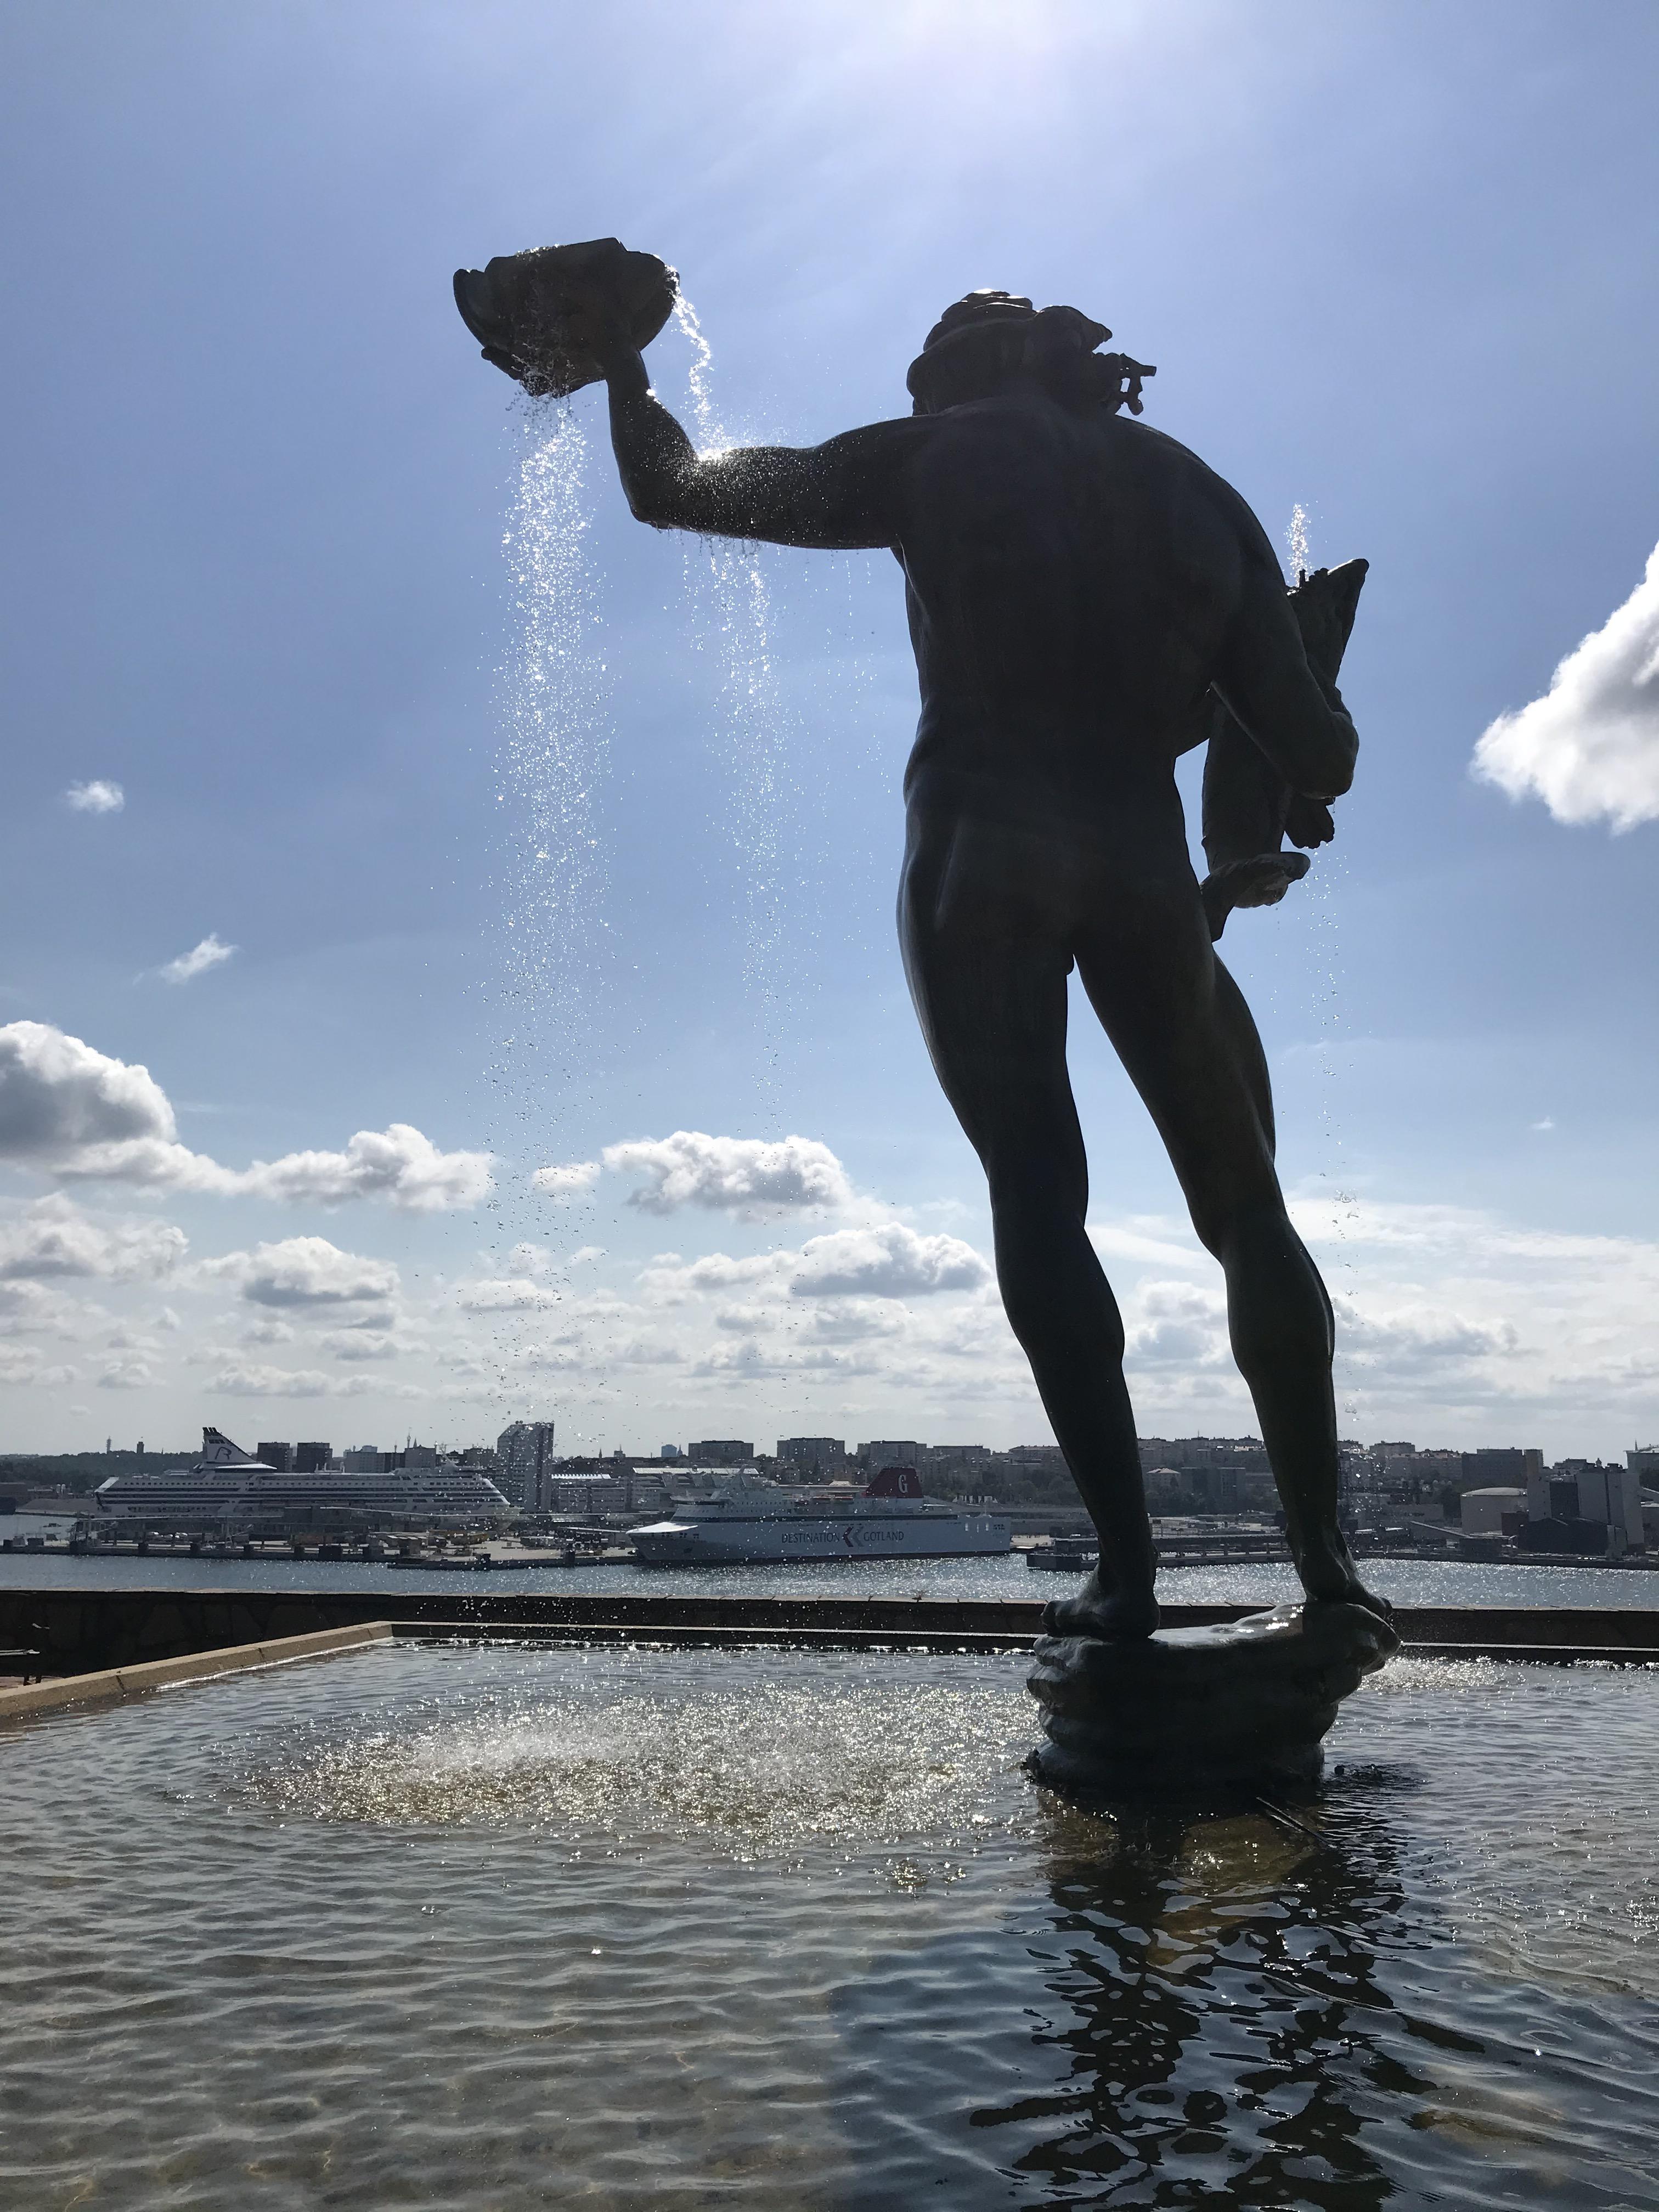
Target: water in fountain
(506,1928)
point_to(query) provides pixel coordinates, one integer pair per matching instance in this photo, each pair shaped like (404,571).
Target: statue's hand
(1308,821)
(1262,880)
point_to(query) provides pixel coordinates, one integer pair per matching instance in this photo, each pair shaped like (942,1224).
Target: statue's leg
(1184,1033)
(988,982)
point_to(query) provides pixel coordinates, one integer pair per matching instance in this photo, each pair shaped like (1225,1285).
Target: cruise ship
(728,1516)
(227,1487)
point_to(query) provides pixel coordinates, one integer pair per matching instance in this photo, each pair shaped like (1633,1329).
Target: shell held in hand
(539,315)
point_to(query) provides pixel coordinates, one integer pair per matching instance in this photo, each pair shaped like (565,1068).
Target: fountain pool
(498,1927)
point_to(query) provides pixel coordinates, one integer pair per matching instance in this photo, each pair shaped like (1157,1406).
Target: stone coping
(116,1628)
(114,1685)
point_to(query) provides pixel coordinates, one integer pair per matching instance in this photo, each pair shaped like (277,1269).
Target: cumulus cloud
(249,1378)
(75,1112)
(397,1163)
(1589,747)
(305,1271)
(568,1182)
(209,953)
(354,1346)
(23,1364)
(891,1261)
(100,796)
(744,1175)
(126,1375)
(55,1236)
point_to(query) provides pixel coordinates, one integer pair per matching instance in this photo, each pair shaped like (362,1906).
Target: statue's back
(1071,579)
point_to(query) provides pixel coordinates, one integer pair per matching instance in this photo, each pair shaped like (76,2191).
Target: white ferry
(229,1486)
(726,1517)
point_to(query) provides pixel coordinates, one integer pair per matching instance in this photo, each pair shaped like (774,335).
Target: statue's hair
(1066,336)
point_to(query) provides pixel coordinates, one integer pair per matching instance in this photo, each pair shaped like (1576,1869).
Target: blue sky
(1393,264)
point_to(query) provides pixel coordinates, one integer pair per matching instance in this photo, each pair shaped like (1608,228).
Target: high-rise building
(312,1458)
(721,1451)
(525,1451)
(281,1457)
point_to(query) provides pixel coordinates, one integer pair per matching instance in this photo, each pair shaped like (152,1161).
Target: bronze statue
(1087,601)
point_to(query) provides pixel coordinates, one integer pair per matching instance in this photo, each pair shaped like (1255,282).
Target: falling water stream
(553,707)
(553,693)
(727,588)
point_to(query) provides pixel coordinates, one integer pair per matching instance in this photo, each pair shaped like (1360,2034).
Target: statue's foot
(1113,1616)
(1261,880)
(1330,1578)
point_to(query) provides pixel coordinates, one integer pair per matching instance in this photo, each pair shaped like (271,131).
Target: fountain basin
(503,1926)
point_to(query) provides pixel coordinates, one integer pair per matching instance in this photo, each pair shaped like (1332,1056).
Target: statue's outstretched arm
(841,494)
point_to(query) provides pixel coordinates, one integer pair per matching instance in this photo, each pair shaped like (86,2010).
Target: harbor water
(1404,1581)
(502,1928)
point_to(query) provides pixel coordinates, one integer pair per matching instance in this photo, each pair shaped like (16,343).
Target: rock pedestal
(1247,1702)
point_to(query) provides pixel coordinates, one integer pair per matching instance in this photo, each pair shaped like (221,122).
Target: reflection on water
(514,1928)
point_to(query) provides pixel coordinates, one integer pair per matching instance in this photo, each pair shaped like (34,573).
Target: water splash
(1298,539)
(732,612)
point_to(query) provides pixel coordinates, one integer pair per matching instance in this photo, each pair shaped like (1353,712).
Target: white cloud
(1589,747)
(209,953)
(269,1331)
(74,1111)
(746,1176)
(305,1271)
(126,1375)
(100,796)
(352,1346)
(248,1378)
(23,1364)
(59,1098)
(397,1163)
(569,1182)
(54,1237)
(891,1261)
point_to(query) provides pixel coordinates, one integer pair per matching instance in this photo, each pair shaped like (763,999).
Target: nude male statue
(1082,591)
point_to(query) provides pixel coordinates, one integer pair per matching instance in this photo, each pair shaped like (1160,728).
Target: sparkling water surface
(1406,1582)
(498,1927)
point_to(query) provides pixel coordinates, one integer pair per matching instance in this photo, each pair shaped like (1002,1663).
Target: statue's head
(990,341)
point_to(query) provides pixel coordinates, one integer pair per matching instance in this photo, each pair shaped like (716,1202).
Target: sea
(1405,1581)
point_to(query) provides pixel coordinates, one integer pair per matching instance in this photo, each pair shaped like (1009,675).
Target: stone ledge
(114,1685)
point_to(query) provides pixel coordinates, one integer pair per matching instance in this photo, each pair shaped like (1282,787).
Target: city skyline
(326,1090)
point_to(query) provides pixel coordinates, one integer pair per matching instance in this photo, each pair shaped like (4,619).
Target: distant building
(1486,1512)
(721,1451)
(1643,1459)
(1502,1466)
(525,1452)
(668,1451)
(881,1454)
(281,1457)
(811,1455)
(1610,1495)
(310,1458)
